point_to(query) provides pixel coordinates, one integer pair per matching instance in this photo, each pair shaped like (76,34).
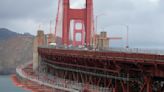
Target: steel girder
(86,66)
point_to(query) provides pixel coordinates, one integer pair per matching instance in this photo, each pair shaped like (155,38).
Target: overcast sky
(145,19)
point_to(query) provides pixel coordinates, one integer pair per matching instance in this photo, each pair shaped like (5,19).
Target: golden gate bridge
(89,68)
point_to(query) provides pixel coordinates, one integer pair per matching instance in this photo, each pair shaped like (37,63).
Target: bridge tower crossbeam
(80,30)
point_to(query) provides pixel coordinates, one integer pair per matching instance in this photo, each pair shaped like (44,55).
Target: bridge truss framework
(119,72)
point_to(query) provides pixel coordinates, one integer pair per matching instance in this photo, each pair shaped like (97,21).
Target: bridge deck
(101,67)
(117,53)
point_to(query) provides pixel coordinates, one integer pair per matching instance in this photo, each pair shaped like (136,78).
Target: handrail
(71,87)
(125,50)
(19,71)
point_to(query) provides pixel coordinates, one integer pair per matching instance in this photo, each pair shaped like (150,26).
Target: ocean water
(6,85)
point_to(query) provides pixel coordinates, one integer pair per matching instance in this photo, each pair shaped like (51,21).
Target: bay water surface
(6,85)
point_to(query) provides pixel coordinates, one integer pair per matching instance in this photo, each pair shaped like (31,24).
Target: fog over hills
(15,49)
(6,34)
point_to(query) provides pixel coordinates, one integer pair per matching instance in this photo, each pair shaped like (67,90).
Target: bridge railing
(128,50)
(128,54)
(137,50)
(55,82)
(42,81)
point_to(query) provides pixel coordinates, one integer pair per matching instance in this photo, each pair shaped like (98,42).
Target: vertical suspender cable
(57,16)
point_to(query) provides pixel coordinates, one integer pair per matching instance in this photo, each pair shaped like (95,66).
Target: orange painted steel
(119,67)
(78,31)
(77,14)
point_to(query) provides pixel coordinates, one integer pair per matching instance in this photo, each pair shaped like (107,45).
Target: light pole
(97,16)
(127,38)
(50,26)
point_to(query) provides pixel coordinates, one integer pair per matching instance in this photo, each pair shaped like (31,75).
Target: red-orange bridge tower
(85,15)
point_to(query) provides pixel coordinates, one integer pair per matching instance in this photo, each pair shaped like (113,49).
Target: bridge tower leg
(84,14)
